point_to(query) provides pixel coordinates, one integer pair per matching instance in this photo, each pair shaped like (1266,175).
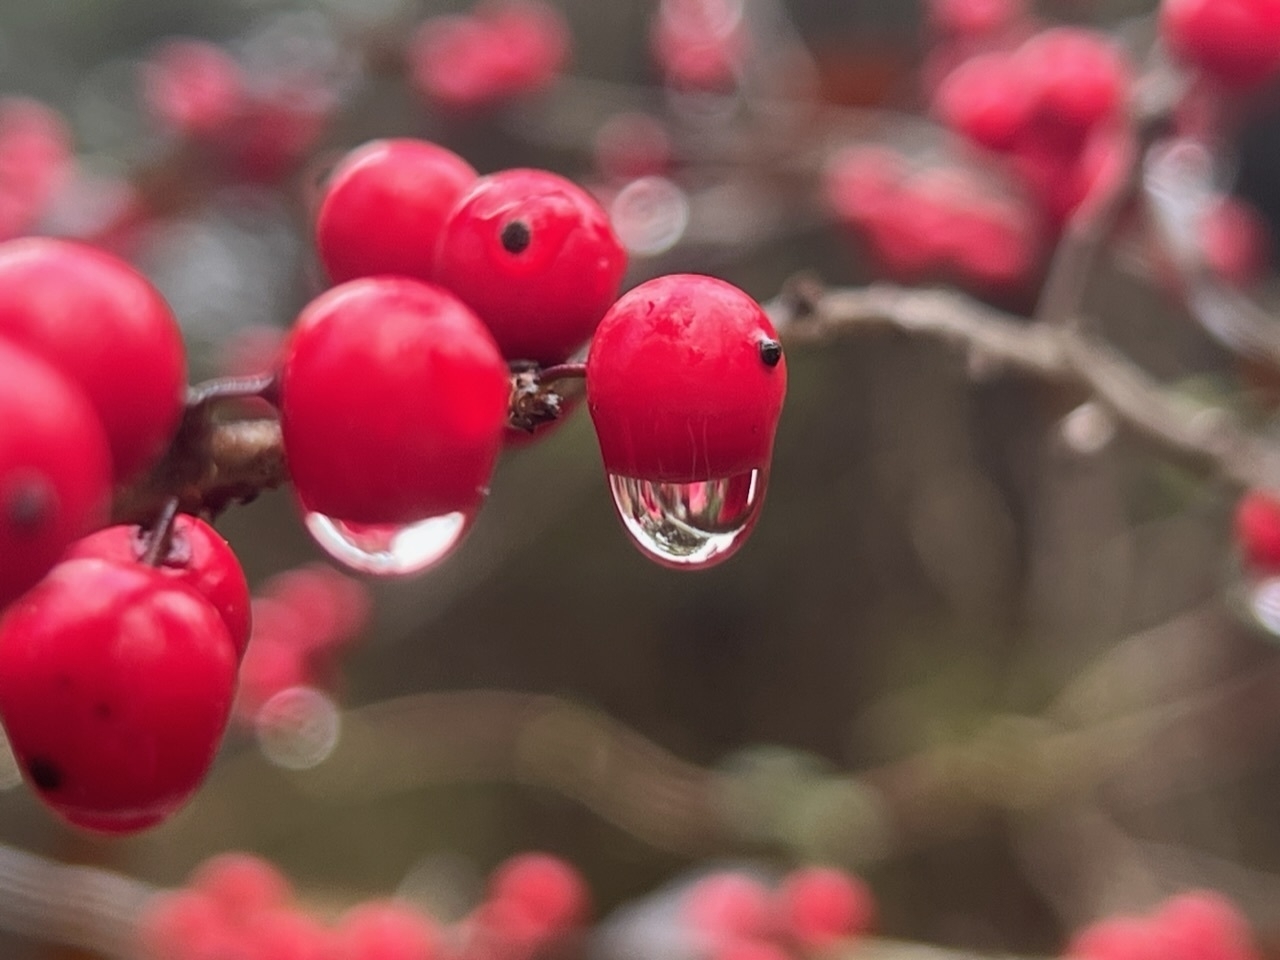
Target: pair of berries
(1197,924)
(93,386)
(118,669)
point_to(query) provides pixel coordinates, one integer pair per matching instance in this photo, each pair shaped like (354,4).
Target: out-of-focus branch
(1205,438)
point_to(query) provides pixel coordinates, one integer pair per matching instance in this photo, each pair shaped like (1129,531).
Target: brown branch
(1204,438)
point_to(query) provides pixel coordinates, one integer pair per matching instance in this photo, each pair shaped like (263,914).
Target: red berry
(384,208)
(1237,42)
(115,687)
(35,160)
(185,925)
(863,184)
(987,99)
(289,935)
(393,402)
(1119,938)
(55,469)
(685,381)
(1257,529)
(536,258)
(1236,242)
(700,44)
(197,556)
(242,885)
(194,88)
(1203,925)
(387,930)
(726,907)
(106,328)
(974,19)
(818,906)
(1077,79)
(547,893)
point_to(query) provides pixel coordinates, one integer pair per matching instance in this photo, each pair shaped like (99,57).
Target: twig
(1204,438)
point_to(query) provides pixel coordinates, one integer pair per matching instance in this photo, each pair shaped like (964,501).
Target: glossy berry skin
(1257,531)
(55,469)
(1237,42)
(536,258)
(197,556)
(394,401)
(384,207)
(106,328)
(115,688)
(549,895)
(819,906)
(685,382)
(386,930)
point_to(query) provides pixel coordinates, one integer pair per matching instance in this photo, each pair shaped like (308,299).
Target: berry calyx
(106,328)
(685,382)
(55,469)
(384,207)
(393,403)
(536,258)
(115,688)
(195,554)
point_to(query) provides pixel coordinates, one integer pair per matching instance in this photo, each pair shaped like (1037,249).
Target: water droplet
(689,525)
(298,728)
(650,215)
(1264,604)
(1088,429)
(389,551)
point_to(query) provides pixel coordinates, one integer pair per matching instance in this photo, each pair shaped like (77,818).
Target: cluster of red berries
(303,620)
(1053,106)
(452,278)
(1199,925)
(498,52)
(257,122)
(239,907)
(935,222)
(734,916)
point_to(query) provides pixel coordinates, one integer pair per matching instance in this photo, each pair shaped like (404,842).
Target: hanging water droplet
(689,525)
(389,551)
(298,728)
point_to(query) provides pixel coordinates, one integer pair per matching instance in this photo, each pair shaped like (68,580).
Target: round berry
(55,469)
(242,885)
(1120,938)
(384,208)
(819,906)
(685,382)
(1237,42)
(393,403)
(973,19)
(115,688)
(535,257)
(1207,926)
(387,930)
(1257,530)
(1077,78)
(194,88)
(547,893)
(725,907)
(106,328)
(986,99)
(196,555)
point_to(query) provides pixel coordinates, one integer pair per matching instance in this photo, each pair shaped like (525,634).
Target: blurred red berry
(819,906)
(1237,42)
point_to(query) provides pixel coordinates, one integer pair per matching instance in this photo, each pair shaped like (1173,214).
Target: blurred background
(983,647)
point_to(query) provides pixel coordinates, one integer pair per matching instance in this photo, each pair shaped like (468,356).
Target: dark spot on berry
(770,352)
(29,504)
(44,774)
(516,237)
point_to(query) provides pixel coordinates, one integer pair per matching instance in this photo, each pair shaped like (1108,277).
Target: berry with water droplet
(55,469)
(195,555)
(685,383)
(106,328)
(536,258)
(115,688)
(384,208)
(393,404)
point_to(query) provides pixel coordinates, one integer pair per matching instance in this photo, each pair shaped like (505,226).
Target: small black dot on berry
(29,504)
(516,237)
(44,774)
(770,352)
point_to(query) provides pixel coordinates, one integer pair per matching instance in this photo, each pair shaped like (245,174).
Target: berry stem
(262,385)
(563,371)
(161,533)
